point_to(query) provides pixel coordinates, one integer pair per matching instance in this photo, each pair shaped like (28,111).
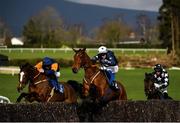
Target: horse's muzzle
(75,70)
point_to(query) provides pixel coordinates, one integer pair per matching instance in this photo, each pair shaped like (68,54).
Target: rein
(37,75)
(38,82)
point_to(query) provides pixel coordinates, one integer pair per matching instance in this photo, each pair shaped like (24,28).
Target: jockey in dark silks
(109,64)
(161,79)
(52,71)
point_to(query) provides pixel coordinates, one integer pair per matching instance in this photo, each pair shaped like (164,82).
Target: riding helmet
(102,49)
(158,68)
(47,61)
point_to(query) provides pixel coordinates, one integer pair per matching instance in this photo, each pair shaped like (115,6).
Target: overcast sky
(150,5)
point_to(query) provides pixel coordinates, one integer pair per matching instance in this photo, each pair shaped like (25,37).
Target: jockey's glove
(103,68)
(157,86)
(41,70)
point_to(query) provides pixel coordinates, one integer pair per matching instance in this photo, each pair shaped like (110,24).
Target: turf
(132,80)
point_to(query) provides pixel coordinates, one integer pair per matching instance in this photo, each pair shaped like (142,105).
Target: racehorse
(39,89)
(150,91)
(95,83)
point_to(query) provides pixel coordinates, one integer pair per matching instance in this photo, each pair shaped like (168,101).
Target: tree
(165,34)
(144,26)
(175,26)
(75,33)
(112,32)
(170,26)
(45,28)
(5,33)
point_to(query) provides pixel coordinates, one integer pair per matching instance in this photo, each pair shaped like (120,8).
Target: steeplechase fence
(117,111)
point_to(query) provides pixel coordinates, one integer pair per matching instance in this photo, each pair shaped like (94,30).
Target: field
(132,79)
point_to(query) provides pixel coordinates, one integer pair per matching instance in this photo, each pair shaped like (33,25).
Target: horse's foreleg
(30,97)
(23,95)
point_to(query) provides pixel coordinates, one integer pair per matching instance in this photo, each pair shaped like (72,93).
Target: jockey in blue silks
(52,71)
(109,64)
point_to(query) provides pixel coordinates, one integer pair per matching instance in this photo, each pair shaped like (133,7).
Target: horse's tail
(76,86)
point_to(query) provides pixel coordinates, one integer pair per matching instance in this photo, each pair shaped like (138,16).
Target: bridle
(33,79)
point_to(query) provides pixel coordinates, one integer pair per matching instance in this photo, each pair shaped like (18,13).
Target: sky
(150,5)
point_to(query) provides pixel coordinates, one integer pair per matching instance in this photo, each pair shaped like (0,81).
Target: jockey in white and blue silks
(52,71)
(108,63)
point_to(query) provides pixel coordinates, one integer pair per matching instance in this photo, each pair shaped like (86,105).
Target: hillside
(16,13)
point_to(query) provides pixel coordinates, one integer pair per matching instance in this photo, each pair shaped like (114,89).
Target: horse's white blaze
(21,76)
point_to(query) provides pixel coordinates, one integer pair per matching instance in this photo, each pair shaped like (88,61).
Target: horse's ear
(84,49)
(23,65)
(20,66)
(146,74)
(74,50)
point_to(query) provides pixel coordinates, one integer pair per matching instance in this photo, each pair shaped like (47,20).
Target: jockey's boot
(115,86)
(60,88)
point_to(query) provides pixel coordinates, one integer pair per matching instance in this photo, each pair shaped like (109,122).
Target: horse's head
(81,59)
(149,84)
(24,75)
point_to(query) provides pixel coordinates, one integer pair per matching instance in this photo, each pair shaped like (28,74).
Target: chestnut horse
(39,89)
(95,81)
(150,91)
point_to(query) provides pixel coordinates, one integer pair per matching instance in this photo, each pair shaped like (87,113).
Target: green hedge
(18,62)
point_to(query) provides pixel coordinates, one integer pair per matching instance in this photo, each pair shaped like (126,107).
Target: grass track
(132,80)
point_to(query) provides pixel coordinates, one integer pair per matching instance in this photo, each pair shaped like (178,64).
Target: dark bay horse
(39,89)
(95,80)
(150,91)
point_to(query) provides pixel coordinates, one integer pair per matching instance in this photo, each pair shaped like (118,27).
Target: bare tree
(112,32)
(45,28)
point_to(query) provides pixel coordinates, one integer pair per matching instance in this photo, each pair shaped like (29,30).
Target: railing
(9,70)
(4,99)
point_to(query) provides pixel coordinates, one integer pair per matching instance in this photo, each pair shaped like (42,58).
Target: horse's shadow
(88,109)
(90,106)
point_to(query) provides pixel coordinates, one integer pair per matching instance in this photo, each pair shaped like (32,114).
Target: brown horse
(95,81)
(39,88)
(150,91)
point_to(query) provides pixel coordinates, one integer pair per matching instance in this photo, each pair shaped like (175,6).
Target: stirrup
(115,88)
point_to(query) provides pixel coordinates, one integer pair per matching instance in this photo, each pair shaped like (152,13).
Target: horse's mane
(27,65)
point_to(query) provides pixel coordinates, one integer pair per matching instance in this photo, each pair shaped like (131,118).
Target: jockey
(161,78)
(51,70)
(109,64)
